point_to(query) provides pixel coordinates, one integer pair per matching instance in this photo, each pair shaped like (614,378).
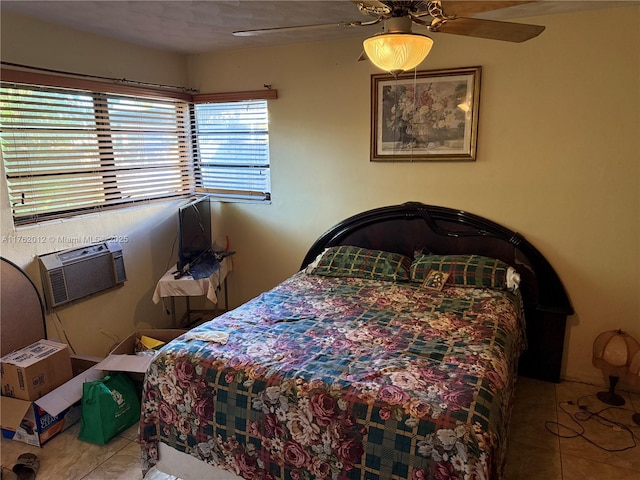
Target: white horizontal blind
(71,151)
(232,154)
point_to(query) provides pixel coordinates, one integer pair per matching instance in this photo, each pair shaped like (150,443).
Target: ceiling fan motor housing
(397,25)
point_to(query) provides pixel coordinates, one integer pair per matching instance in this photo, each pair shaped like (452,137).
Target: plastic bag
(109,406)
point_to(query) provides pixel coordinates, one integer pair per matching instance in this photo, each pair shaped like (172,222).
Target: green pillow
(463,270)
(350,261)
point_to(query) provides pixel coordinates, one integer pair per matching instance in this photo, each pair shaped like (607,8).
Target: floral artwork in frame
(426,115)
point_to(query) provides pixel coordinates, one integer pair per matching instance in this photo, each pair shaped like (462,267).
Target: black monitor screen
(194,230)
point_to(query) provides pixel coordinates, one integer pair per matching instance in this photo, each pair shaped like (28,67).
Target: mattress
(342,378)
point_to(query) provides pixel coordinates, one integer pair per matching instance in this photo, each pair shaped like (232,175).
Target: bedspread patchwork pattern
(343,378)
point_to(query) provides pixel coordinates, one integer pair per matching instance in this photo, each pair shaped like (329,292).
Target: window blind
(70,151)
(232,152)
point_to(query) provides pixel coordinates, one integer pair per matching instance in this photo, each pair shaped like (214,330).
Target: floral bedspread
(343,378)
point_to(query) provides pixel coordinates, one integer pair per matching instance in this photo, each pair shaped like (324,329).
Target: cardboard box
(123,357)
(81,363)
(35,370)
(39,421)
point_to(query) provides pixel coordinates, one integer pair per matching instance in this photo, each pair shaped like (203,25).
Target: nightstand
(186,286)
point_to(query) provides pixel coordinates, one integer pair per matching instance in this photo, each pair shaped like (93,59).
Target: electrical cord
(167,311)
(173,247)
(584,415)
(64,332)
(112,336)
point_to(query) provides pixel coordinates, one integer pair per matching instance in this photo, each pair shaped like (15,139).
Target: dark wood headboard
(415,226)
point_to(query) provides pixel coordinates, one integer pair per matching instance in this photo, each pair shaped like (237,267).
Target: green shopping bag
(109,406)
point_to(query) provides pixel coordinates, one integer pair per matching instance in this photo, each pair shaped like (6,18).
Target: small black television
(194,232)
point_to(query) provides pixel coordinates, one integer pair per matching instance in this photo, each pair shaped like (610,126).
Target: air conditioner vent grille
(58,286)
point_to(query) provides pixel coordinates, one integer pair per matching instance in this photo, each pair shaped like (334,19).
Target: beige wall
(558,161)
(35,43)
(558,157)
(92,326)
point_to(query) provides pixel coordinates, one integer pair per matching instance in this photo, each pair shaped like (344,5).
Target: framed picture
(427,115)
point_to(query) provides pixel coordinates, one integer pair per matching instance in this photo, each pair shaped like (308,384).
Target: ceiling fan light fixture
(397,52)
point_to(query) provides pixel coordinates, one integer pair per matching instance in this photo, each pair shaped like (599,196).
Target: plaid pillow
(463,270)
(349,261)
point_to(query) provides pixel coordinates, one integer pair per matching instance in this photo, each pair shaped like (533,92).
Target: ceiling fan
(397,41)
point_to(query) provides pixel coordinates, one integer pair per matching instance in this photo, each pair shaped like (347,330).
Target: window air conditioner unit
(76,273)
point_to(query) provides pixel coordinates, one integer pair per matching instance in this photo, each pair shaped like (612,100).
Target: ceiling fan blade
(491,29)
(467,8)
(264,31)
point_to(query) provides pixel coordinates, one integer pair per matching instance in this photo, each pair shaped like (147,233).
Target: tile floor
(534,452)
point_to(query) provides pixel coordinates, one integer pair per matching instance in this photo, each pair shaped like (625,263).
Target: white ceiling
(200,26)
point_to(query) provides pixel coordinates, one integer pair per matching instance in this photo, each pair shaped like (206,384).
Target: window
(73,146)
(232,151)
(69,151)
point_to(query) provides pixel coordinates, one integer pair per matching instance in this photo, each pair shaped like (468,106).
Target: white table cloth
(187,286)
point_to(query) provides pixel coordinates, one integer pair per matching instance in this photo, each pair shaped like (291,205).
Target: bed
(392,354)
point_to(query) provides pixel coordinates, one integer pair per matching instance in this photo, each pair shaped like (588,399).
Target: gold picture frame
(425,116)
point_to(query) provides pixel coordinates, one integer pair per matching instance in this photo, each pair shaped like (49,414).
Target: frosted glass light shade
(397,52)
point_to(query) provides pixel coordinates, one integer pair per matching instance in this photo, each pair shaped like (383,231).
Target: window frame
(228,97)
(101,141)
(245,150)
(119,87)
